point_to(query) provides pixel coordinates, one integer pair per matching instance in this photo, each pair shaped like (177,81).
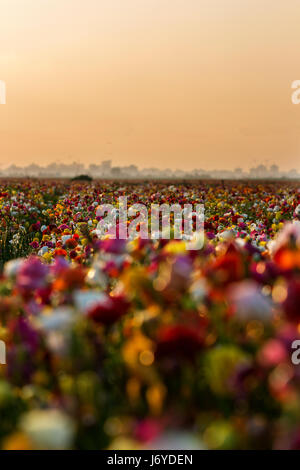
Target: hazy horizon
(153,83)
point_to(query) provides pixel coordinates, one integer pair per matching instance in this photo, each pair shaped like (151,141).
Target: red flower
(227,268)
(292,302)
(73,254)
(110,310)
(35,227)
(60,252)
(71,243)
(179,341)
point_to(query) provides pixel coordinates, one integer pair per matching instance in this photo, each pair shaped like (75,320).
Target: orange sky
(165,83)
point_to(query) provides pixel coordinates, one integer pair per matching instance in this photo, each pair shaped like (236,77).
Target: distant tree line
(106,170)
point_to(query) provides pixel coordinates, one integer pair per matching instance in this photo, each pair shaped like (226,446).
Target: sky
(156,83)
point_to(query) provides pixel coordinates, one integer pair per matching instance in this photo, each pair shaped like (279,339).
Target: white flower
(240,242)
(198,290)
(84,299)
(48,429)
(226,235)
(64,238)
(96,276)
(248,301)
(12,267)
(58,319)
(43,250)
(291,229)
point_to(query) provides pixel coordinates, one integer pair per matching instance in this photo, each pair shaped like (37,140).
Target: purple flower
(60,264)
(32,274)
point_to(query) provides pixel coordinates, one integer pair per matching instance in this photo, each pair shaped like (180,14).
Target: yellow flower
(134,346)
(175,247)
(155,397)
(138,355)
(84,241)
(47,256)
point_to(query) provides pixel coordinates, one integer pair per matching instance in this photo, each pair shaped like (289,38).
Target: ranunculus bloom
(60,252)
(60,264)
(31,274)
(71,243)
(63,227)
(227,268)
(292,301)
(23,345)
(48,429)
(36,227)
(148,429)
(178,341)
(272,353)
(247,301)
(115,246)
(287,259)
(72,278)
(109,310)
(34,244)
(21,331)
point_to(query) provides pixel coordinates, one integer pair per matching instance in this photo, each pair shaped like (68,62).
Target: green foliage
(82,178)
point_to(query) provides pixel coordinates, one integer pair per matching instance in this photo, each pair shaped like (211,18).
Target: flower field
(142,344)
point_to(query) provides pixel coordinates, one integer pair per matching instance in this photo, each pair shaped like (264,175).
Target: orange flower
(72,278)
(287,259)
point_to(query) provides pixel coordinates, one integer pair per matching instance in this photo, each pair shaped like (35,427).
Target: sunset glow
(180,84)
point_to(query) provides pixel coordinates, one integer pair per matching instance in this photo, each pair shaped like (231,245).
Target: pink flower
(272,353)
